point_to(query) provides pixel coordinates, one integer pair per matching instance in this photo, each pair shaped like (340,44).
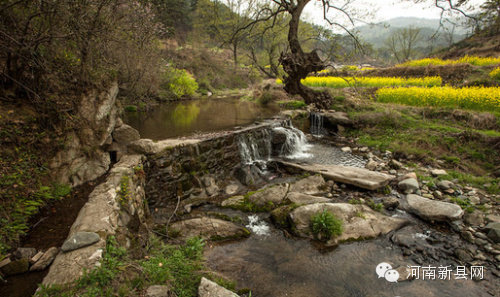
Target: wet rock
(311,185)
(438,172)
(125,134)
(390,203)
(359,177)
(395,164)
(158,291)
(269,195)
(445,184)
(301,199)
(79,240)
(36,257)
(45,260)
(231,189)
(409,185)
(409,175)
(16,267)
(432,210)
(346,149)
(233,201)
(246,176)
(404,273)
(494,235)
(143,146)
(4,262)
(467,235)
(371,165)
(463,255)
(208,288)
(24,252)
(369,224)
(475,219)
(209,228)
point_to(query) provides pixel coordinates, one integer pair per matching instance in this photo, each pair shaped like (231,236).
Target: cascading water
(287,141)
(316,124)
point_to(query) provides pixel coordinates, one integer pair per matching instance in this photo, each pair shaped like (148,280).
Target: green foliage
(326,225)
(354,201)
(375,206)
(464,204)
(131,108)
(179,82)
(292,104)
(495,73)
(124,193)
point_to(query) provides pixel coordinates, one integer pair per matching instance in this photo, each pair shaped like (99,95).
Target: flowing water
(186,118)
(270,264)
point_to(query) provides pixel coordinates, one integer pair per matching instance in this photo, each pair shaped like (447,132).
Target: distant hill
(378,33)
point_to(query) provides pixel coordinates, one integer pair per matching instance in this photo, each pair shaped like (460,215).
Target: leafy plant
(375,206)
(124,193)
(326,225)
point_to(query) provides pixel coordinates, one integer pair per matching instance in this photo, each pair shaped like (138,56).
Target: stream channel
(271,262)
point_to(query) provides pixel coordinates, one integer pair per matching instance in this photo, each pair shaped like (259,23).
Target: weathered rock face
(105,212)
(208,288)
(311,185)
(209,228)
(176,171)
(359,221)
(432,210)
(74,164)
(268,196)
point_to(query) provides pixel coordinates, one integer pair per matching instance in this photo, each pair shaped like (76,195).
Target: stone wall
(116,205)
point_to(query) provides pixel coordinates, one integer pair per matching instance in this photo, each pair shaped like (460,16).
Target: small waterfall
(257,147)
(316,124)
(295,144)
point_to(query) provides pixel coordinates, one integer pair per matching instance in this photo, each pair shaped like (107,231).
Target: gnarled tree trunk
(298,64)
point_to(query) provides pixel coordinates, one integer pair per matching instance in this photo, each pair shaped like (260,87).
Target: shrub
(326,225)
(495,74)
(178,82)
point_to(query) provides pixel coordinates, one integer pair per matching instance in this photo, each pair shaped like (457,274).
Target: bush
(326,225)
(495,74)
(180,82)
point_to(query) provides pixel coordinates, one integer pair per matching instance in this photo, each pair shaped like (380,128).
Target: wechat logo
(385,270)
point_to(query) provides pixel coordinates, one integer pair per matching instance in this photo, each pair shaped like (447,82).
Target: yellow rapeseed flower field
(475,98)
(473,60)
(344,82)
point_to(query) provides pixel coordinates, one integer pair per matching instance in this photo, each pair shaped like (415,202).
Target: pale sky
(380,10)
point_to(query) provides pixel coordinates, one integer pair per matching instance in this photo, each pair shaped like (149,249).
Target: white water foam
(295,146)
(257,226)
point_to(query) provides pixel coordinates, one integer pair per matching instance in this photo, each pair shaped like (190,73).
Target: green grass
(326,225)
(292,104)
(176,266)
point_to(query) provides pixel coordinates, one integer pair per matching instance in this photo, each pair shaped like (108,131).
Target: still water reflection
(208,115)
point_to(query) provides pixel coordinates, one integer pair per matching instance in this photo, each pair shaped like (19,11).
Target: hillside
(378,33)
(478,45)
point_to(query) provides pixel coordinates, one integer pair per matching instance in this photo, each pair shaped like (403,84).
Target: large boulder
(337,118)
(432,210)
(269,195)
(208,288)
(359,221)
(143,146)
(79,240)
(125,134)
(209,228)
(311,185)
(409,185)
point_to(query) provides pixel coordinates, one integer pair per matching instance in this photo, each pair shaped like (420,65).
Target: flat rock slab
(208,288)
(209,228)
(359,177)
(432,210)
(359,221)
(47,259)
(79,240)
(302,199)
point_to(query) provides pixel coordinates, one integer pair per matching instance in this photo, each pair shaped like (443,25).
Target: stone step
(358,177)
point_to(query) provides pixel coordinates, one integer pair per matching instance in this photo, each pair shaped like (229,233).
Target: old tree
(296,62)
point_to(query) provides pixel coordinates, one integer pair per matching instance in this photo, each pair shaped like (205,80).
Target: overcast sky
(381,10)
